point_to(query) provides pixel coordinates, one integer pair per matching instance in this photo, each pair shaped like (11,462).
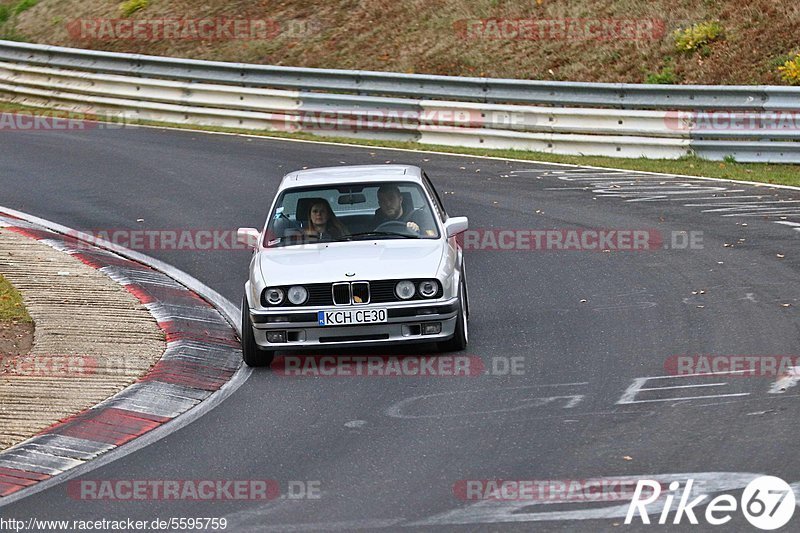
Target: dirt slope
(452,37)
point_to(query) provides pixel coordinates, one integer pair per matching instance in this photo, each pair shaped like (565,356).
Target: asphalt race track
(589,327)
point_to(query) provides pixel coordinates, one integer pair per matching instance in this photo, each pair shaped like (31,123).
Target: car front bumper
(404,325)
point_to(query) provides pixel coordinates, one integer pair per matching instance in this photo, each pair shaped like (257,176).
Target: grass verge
(11,307)
(775,174)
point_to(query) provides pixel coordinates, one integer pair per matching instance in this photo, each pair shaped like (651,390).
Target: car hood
(366,260)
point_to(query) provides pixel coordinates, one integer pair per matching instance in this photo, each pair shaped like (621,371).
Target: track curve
(387,452)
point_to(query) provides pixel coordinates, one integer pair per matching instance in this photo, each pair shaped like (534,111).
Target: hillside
(583,40)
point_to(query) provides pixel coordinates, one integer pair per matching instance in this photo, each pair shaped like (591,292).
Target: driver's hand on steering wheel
(413,226)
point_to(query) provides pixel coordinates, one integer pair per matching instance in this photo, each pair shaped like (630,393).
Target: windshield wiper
(378,234)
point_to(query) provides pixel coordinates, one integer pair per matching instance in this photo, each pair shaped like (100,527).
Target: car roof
(351,174)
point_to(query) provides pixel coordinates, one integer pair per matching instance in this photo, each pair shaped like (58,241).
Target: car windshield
(383,210)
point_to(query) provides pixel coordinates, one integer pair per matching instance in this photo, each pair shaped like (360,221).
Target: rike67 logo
(767,502)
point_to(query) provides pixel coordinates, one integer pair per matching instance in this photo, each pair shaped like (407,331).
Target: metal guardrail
(615,95)
(624,120)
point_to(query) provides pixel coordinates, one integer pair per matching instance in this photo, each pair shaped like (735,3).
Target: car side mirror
(456,225)
(248,237)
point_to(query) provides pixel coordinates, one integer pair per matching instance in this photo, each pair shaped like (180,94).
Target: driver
(391,209)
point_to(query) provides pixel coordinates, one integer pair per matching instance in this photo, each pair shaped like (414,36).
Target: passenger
(391,209)
(322,223)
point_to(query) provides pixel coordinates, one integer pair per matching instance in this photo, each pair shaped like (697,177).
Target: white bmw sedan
(354,256)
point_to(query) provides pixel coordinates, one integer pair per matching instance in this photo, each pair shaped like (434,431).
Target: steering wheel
(395,226)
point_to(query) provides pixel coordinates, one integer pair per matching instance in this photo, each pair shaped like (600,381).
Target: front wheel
(461,335)
(252,355)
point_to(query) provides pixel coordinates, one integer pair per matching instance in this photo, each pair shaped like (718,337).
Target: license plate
(351,316)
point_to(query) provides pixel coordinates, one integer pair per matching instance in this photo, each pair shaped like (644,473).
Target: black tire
(461,335)
(252,355)
(466,289)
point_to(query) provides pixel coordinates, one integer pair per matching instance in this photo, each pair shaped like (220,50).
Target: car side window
(433,194)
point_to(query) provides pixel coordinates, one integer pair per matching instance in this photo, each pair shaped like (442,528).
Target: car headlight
(272,296)
(428,288)
(405,290)
(297,295)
